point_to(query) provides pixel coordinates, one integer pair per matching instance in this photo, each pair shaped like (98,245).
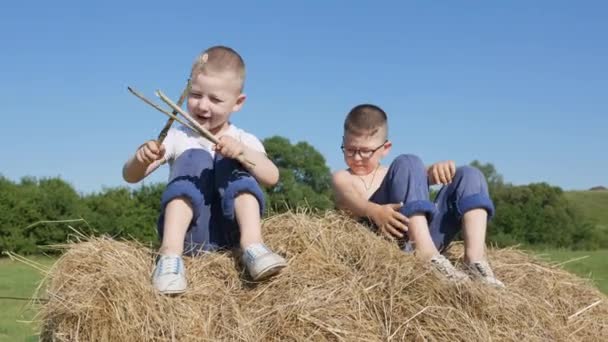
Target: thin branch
(200,129)
(163,133)
(157,107)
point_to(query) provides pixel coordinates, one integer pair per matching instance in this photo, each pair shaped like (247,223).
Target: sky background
(520,84)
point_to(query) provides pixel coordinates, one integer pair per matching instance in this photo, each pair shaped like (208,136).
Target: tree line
(40,212)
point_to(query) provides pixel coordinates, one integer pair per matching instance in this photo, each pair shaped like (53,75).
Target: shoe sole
(269,272)
(171,292)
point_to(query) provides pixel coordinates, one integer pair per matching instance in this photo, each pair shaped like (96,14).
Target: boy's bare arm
(264,170)
(147,158)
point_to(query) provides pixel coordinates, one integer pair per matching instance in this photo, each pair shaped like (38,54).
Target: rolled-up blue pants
(211,185)
(406,182)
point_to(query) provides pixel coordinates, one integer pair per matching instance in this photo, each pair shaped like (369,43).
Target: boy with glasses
(396,198)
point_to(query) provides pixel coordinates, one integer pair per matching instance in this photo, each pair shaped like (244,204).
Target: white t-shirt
(182,138)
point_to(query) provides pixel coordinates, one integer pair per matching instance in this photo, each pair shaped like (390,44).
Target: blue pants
(211,186)
(406,181)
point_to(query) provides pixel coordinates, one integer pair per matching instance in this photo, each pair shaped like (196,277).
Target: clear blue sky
(520,84)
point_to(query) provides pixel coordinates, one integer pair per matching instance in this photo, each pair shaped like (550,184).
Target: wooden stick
(191,123)
(163,133)
(211,137)
(173,117)
(200,129)
(143,98)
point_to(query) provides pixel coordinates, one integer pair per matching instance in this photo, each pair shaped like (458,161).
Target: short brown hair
(366,119)
(218,59)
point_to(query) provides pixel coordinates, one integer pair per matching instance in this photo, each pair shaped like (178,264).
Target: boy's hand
(389,220)
(149,152)
(229,147)
(441,172)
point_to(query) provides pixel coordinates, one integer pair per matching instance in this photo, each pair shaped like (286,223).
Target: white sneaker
(443,266)
(482,271)
(261,262)
(169,275)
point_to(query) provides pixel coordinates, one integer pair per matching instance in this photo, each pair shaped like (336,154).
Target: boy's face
(363,152)
(213,97)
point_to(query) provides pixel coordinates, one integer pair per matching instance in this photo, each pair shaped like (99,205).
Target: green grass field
(18,280)
(587,264)
(594,205)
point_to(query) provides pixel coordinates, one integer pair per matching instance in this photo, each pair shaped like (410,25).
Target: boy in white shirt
(212,201)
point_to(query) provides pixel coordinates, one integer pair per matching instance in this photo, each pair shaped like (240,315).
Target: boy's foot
(261,262)
(169,275)
(482,271)
(445,268)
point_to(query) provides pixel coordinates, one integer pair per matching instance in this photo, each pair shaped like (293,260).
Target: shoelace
(254,251)
(481,268)
(169,265)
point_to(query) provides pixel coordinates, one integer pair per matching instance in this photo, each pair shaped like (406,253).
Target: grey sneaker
(261,262)
(169,275)
(482,271)
(445,268)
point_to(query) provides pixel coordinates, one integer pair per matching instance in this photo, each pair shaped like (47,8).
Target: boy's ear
(387,148)
(240,101)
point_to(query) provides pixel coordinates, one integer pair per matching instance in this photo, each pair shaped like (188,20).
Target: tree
(540,214)
(28,209)
(122,213)
(305,179)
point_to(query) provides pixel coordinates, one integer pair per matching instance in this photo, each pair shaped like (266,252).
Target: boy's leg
(178,215)
(186,205)
(465,204)
(248,218)
(406,182)
(474,224)
(242,205)
(183,225)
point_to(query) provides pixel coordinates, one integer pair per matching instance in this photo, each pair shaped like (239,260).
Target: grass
(593,204)
(587,264)
(18,280)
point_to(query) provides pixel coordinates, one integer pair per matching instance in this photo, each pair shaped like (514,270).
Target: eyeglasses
(363,153)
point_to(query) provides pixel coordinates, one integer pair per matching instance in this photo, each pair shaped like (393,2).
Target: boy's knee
(472,183)
(409,162)
(469,174)
(246,185)
(184,190)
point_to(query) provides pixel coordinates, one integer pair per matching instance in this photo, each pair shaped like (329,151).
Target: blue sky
(520,84)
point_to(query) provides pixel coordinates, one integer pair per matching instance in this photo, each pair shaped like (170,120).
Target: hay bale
(342,283)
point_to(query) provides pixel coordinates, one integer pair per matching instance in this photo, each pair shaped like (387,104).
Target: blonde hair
(366,119)
(219,59)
